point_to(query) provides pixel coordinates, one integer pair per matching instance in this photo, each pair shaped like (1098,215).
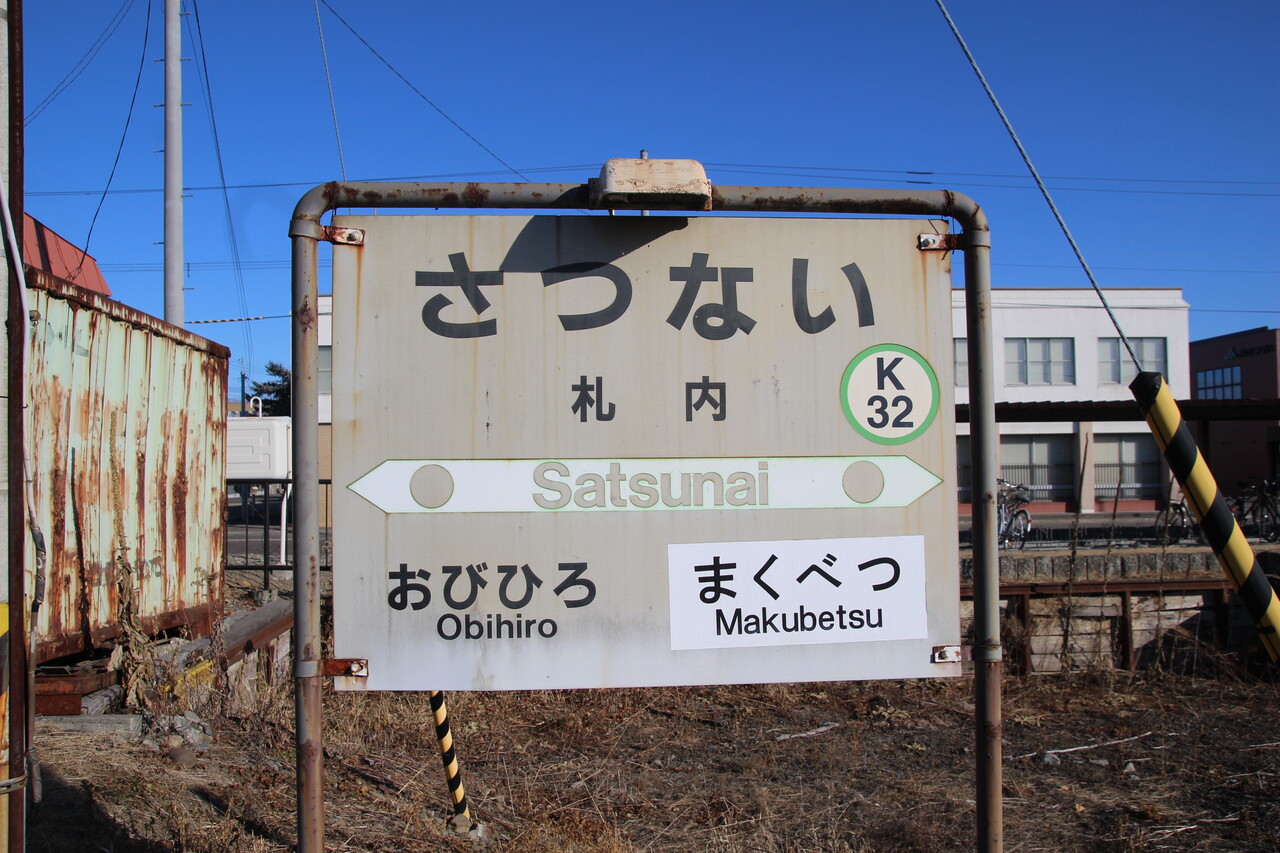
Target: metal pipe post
(173,249)
(306,544)
(21,700)
(987,652)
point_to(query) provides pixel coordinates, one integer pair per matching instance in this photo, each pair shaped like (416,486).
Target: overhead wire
(934,173)
(241,319)
(798,174)
(284,263)
(991,95)
(420,94)
(82,63)
(206,85)
(1143,269)
(775,170)
(128,119)
(285,184)
(333,107)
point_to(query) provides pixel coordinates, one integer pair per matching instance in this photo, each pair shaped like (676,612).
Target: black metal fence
(1047,483)
(1129,481)
(259,525)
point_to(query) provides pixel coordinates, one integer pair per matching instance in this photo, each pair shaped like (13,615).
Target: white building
(324,312)
(1056,346)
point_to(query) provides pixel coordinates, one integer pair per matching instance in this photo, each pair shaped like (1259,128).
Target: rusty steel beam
(1136,586)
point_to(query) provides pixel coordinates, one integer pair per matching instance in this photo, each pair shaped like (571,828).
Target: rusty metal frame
(307,231)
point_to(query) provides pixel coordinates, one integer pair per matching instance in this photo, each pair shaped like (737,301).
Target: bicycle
(1173,524)
(1257,507)
(1013,523)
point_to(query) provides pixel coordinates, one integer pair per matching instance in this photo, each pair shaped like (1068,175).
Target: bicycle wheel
(1181,522)
(1171,525)
(1268,524)
(1019,527)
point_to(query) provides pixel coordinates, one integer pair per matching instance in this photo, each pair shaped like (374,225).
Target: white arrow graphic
(615,485)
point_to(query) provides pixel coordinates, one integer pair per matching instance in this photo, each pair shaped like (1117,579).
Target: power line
(1230,311)
(795,172)
(995,186)
(995,302)
(128,119)
(333,107)
(207,88)
(242,320)
(208,266)
(1141,269)
(308,184)
(931,173)
(82,63)
(419,92)
(1058,306)
(1026,158)
(284,264)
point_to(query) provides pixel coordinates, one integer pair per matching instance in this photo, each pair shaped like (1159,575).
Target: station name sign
(589,451)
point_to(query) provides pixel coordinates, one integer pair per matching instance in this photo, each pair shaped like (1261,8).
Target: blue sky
(1154,124)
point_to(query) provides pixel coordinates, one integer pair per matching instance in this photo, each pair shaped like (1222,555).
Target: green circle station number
(889,394)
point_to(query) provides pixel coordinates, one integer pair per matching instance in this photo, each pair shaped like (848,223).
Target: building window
(1128,467)
(1115,366)
(1039,361)
(964,470)
(960,356)
(325,372)
(1042,463)
(1222,383)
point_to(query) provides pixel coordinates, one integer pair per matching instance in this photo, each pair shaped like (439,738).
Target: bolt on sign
(590,451)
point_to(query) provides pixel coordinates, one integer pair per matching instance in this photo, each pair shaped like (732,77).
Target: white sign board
(591,451)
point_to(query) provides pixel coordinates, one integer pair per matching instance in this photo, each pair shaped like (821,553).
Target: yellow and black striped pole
(452,772)
(1209,507)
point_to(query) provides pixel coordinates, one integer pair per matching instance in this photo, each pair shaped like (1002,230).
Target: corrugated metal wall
(126,431)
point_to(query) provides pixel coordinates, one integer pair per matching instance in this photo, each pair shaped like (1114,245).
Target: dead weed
(1153,762)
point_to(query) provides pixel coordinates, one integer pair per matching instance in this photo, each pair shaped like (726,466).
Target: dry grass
(835,768)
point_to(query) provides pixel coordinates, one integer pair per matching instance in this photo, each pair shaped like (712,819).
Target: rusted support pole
(306,543)
(988,653)
(21,699)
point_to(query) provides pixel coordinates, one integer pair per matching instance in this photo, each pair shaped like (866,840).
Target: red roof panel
(45,249)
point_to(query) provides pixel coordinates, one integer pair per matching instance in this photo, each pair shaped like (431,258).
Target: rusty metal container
(126,430)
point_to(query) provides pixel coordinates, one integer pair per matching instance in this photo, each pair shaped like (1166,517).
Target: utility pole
(173,297)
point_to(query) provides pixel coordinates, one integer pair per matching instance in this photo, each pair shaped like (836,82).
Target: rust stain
(179,503)
(161,487)
(142,405)
(475,195)
(306,314)
(332,194)
(71,294)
